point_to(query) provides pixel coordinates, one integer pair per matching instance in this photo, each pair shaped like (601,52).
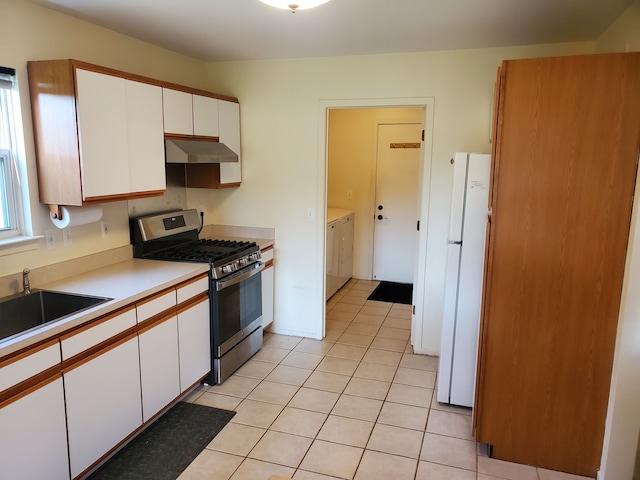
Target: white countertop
(334,213)
(126,282)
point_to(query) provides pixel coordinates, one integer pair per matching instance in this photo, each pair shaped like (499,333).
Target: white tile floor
(358,405)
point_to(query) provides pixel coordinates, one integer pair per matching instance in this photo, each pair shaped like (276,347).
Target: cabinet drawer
(16,371)
(267,254)
(147,308)
(192,288)
(83,339)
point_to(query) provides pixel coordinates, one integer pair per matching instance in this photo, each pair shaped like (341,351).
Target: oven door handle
(240,276)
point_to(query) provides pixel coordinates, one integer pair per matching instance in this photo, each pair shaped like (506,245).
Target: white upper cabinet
(102,132)
(146,137)
(120,135)
(205,116)
(178,112)
(189,114)
(99,135)
(229,115)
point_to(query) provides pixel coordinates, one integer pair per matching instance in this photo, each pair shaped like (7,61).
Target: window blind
(7,77)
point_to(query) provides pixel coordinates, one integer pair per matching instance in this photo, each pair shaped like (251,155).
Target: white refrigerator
(463,281)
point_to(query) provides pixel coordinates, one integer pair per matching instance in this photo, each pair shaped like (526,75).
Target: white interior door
(395,236)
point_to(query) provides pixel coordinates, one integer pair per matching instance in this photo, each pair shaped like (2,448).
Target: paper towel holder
(56,211)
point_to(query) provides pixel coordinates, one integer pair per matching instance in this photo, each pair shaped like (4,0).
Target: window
(10,193)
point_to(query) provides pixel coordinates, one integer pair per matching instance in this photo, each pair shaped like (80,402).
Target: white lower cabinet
(103,403)
(267,296)
(33,435)
(159,368)
(194,343)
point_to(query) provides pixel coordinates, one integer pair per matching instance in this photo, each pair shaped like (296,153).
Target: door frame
(428,103)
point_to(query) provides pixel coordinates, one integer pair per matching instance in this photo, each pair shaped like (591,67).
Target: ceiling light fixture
(294,5)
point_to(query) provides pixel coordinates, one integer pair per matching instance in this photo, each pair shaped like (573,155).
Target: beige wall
(352,150)
(284,171)
(623,420)
(31,32)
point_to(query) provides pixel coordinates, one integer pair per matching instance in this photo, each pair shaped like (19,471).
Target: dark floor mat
(168,446)
(393,292)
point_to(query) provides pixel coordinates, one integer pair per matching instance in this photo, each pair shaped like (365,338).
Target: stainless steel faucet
(26,286)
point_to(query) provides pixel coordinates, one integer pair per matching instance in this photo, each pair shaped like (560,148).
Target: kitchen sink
(22,312)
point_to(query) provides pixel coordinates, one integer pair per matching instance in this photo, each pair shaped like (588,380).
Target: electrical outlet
(311,214)
(200,208)
(66,237)
(104,229)
(50,239)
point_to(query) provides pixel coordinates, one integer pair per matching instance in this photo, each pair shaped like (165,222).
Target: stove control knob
(243,262)
(226,269)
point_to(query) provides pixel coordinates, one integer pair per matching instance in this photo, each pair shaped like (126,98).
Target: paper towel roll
(72,216)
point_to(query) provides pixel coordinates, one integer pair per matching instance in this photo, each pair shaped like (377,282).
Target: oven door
(236,307)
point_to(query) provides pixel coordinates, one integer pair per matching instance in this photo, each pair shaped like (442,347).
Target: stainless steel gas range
(235,291)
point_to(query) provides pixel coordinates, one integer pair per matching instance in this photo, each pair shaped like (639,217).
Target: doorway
(352,143)
(395,237)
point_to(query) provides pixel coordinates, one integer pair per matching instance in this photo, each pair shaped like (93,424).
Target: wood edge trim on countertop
(192,280)
(192,302)
(182,136)
(27,351)
(99,349)
(155,296)
(266,249)
(268,264)
(94,322)
(30,385)
(156,320)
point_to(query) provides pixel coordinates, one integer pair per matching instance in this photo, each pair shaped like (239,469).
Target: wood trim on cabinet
(156,320)
(96,321)
(155,296)
(27,351)
(200,138)
(229,185)
(196,91)
(268,264)
(122,196)
(270,247)
(192,280)
(186,305)
(99,349)
(55,131)
(77,64)
(30,385)
(488,257)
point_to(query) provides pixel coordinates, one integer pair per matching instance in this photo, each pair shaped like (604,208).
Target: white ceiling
(219,30)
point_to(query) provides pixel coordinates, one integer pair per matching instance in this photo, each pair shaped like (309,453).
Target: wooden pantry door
(564,173)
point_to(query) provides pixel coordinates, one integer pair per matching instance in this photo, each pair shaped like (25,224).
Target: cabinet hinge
(418,225)
(413,309)
(423,135)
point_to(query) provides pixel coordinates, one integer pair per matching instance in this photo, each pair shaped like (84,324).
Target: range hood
(198,151)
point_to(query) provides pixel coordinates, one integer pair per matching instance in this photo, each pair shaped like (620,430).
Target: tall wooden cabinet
(566,146)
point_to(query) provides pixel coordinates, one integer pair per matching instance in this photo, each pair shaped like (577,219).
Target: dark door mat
(168,446)
(393,292)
